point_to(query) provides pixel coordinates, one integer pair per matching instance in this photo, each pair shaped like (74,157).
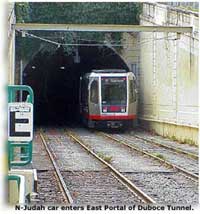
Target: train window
(113,90)
(84,91)
(94,92)
(132,93)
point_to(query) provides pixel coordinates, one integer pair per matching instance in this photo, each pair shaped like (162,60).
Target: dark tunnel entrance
(55,81)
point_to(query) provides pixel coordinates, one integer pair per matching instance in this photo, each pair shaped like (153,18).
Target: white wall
(169,74)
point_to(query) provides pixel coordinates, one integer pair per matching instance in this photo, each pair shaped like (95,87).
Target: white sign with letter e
(20,121)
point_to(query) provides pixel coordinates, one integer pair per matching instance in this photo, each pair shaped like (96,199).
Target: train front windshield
(113,90)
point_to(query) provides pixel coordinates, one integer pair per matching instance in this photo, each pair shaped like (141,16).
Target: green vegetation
(22,11)
(189,8)
(159,156)
(173,138)
(76,13)
(79,12)
(108,159)
(189,141)
(185,141)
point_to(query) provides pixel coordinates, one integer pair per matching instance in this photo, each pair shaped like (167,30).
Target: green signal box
(20,125)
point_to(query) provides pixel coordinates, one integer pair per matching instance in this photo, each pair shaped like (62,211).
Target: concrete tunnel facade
(54,79)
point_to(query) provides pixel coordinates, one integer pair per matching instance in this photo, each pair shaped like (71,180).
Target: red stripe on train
(110,117)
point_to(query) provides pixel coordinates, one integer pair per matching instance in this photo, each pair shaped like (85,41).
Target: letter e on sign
(20,121)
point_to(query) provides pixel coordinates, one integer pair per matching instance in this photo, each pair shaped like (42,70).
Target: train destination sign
(20,121)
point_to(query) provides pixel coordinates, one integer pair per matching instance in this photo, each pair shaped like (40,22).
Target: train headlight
(105,109)
(123,109)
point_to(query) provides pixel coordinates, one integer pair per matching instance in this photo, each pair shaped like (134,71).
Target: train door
(83,96)
(132,96)
(94,108)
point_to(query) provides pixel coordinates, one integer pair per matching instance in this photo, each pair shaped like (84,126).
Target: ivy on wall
(85,12)
(76,13)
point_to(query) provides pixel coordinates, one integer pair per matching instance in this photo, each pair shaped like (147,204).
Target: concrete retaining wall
(169,74)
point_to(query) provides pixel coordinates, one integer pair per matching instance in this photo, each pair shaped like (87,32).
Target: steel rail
(58,173)
(143,196)
(101,28)
(189,175)
(192,155)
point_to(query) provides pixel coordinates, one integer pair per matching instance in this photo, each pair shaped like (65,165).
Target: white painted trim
(22,189)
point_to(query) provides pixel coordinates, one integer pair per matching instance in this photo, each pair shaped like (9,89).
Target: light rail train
(108,98)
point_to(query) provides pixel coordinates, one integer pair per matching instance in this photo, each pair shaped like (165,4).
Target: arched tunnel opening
(54,78)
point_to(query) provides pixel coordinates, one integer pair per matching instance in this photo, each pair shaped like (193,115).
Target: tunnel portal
(54,78)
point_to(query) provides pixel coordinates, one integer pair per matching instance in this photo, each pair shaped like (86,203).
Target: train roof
(109,71)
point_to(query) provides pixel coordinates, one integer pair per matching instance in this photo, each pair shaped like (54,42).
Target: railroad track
(133,189)
(130,185)
(123,141)
(59,176)
(174,149)
(163,183)
(90,179)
